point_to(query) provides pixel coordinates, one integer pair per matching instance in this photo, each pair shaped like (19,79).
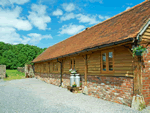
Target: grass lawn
(14,74)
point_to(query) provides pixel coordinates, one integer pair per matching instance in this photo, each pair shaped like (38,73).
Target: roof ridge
(121,13)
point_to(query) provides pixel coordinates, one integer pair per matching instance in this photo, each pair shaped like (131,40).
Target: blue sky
(44,23)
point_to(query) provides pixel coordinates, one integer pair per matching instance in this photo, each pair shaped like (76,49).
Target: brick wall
(115,89)
(146,76)
(2,71)
(54,79)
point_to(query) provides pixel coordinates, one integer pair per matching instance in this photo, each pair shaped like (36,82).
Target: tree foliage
(14,56)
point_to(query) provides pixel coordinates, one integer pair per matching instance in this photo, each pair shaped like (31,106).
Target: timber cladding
(121,63)
(146,35)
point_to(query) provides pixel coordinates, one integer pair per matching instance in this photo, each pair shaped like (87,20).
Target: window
(55,66)
(107,62)
(72,64)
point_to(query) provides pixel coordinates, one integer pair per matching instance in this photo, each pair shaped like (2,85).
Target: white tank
(71,79)
(77,80)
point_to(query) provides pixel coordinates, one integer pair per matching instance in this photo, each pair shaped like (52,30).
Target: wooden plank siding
(66,65)
(80,65)
(146,35)
(123,63)
(93,62)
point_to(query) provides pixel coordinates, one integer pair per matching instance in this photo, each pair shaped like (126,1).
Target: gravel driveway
(34,96)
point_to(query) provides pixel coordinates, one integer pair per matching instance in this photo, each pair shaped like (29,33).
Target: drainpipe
(60,72)
(86,70)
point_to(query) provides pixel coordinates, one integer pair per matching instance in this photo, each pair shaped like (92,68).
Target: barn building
(103,56)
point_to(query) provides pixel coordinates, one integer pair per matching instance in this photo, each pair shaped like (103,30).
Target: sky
(44,23)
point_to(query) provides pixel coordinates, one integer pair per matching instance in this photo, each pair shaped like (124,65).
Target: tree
(14,56)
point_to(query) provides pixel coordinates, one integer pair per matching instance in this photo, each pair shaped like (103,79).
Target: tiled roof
(122,26)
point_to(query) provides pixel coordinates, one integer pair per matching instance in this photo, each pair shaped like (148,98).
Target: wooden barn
(103,56)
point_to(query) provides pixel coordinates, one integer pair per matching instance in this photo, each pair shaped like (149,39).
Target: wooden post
(138,98)
(85,70)
(61,66)
(137,75)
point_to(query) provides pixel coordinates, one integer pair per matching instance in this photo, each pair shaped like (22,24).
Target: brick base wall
(115,89)
(54,79)
(146,76)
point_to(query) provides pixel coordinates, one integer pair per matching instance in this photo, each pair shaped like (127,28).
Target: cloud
(11,2)
(11,18)
(36,38)
(129,4)
(9,35)
(58,12)
(87,19)
(91,19)
(103,17)
(38,16)
(128,8)
(71,29)
(92,1)
(101,1)
(67,16)
(68,7)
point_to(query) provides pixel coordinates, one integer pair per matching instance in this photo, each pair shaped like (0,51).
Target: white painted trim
(143,29)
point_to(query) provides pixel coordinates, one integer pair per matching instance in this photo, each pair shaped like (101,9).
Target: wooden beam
(85,70)
(137,76)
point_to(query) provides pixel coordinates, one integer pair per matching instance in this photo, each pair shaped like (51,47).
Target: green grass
(13,74)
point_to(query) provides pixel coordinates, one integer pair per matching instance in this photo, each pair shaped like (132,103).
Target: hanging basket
(138,53)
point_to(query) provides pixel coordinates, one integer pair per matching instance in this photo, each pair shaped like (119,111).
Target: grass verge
(13,74)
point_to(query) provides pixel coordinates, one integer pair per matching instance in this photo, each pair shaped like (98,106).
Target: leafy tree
(14,56)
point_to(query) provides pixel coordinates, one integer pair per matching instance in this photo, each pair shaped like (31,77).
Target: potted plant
(138,50)
(73,71)
(70,70)
(74,85)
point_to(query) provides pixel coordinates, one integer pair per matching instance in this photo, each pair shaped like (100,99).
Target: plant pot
(138,53)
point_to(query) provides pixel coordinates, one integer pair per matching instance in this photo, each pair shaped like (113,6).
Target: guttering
(89,49)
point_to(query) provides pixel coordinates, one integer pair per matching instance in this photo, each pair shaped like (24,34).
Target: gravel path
(34,96)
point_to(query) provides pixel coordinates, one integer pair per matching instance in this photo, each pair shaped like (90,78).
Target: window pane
(110,67)
(104,61)
(70,64)
(110,57)
(74,64)
(104,56)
